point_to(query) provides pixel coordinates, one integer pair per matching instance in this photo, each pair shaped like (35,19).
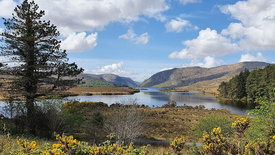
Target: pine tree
(242,84)
(223,89)
(38,66)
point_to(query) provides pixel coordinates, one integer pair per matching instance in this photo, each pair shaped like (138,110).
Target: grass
(84,91)
(160,124)
(168,123)
(163,123)
(9,145)
(79,91)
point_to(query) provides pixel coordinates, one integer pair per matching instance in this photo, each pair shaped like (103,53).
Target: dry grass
(164,123)
(173,90)
(83,91)
(168,123)
(100,91)
(158,149)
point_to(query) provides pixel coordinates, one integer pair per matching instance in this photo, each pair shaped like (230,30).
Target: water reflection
(155,98)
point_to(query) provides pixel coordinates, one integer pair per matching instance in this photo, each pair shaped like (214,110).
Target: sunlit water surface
(155,98)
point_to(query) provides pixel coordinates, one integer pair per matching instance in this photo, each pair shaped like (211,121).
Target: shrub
(171,104)
(177,145)
(263,124)
(214,143)
(240,125)
(67,145)
(126,122)
(261,146)
(95,127)
(208,123)
(261,131)
(28,147)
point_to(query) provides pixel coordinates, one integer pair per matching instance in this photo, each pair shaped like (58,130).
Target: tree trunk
(31,120)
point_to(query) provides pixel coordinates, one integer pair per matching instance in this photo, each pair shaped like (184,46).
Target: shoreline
(87,91)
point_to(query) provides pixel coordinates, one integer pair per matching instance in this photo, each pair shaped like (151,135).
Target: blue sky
(137,38)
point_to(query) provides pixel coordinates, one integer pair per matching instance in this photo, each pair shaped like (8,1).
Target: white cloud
(164,69)
(137,39)
(211,62)
(208,62)
(249,57)
(117,68)
(78,42)
(177,25)
(189,1)
(235,30)
(1,30)
(256,28)
(89,15)
(208,43)
(7,7)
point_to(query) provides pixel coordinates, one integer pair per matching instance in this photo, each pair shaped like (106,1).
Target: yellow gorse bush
(67,145)
(177,144)
(27,147)
(240,124)
(115,148)
(215,142)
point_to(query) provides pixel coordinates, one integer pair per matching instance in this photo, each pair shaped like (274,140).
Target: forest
(250,86)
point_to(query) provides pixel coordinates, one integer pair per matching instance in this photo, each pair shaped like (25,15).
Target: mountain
(107,80)
(198,78)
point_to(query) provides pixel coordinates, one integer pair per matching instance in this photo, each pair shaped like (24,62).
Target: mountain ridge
(187,76)
(108,78)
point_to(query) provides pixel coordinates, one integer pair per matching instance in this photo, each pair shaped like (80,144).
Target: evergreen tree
(252,85)
(242,84)
(39,66)
(234,87)
(223,89)
(257,84)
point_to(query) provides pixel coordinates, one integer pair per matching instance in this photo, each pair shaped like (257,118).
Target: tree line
(250,86)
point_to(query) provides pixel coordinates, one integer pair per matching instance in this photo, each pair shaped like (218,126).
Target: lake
(155,98)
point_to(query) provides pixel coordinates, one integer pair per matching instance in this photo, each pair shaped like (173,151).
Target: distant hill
(107,80)
(198,78)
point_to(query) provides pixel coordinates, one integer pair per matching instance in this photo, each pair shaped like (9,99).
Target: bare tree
(125,121)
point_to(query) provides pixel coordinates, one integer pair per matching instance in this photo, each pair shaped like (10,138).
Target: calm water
(155,98)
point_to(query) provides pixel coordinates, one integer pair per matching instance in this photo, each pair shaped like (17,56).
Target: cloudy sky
(137,38)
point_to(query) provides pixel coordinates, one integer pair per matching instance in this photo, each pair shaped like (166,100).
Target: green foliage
(263,124)
(73,119)
(95,127)
(259,83)
(208,123)
(236,87)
